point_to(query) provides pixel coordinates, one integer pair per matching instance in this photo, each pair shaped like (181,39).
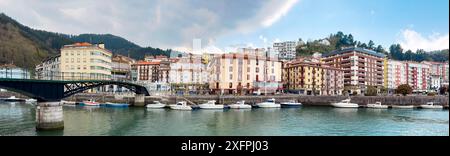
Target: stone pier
(139,100)
(49,116)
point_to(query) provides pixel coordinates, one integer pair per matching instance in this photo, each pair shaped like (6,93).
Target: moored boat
(156,105)
(110,104)
(182,105)
(377,105)
(30,100)
(291,103)
(240,105)
(403,106)
(90,103)
(345,104)
(210,105)
(431,105)
(269,103)
(68,102)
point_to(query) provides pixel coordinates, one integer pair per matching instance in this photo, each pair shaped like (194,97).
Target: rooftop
(361,50)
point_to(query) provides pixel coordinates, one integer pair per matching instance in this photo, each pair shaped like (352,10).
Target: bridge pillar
(139,100)
(49,116)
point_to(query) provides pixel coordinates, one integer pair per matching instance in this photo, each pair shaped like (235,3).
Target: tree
(364,45)
(408,55)
(371,45)
(404,89)
(371,91)
(396,52)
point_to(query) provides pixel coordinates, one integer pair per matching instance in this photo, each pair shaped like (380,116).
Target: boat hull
(268,105)
(183,108)
(377,106)
(403,107)
(290,105)
(340,105)
(211,106)
(116,105)
(234,106)
(431,107)
(156,106)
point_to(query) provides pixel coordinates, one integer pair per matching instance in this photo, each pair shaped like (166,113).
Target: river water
(18,119)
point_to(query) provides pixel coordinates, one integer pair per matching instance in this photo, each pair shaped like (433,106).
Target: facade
(245,73)
(438,74)
(310,77)
(121,71)
(146,71)
(49,69)
(286,49)
(418,76)
(396,74)
(188,74)
(13,72)
(85,61)
(361,67)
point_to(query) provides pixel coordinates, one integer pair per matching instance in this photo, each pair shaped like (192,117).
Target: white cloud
(412,40)
(157,23)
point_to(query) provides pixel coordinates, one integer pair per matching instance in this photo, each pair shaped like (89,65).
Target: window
(231,61)
(231,76)
(72,60)
(231,69)
(257,77)
(248,77)
(257,69)
(231,85)
(273,71)
(248,69)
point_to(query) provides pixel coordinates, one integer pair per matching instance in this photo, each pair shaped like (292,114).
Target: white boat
(403,106)
(181,106)
(240,105)
(291,103)
(345,104)
(431,105)
(377,105)
(156,105)
(269,103)
(30,100)
(210,105)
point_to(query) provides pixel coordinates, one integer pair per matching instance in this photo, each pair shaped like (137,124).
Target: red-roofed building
(145,71)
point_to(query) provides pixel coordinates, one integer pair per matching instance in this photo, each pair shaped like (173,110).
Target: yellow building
(85,61)
(245,73)
(311,77)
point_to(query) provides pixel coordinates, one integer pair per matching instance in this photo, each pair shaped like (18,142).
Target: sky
(224,25)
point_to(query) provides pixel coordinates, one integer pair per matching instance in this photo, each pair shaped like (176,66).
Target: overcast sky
(227,24)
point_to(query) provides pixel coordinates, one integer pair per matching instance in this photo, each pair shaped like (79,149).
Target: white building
(49,69)
(286,49)
(13,72)
(188,70)
(396,74)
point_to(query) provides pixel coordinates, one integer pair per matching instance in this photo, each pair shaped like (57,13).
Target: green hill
(27,47)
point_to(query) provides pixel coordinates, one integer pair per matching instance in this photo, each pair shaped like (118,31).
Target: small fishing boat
(90,103)
(240,105)
(290,104)
(110,104)
(156,105)
(403,106)
(431,105)
(210,105)
(377,105)
(182,105)
(269,103)
(345,104)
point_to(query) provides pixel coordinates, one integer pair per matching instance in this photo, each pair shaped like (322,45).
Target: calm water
(19,119)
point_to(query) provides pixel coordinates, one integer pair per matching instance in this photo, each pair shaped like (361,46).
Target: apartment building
(361,67)
(396,74)
(286,49)
(417,76)
(85,61)
(308,76)
(246,72)
(49,69)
